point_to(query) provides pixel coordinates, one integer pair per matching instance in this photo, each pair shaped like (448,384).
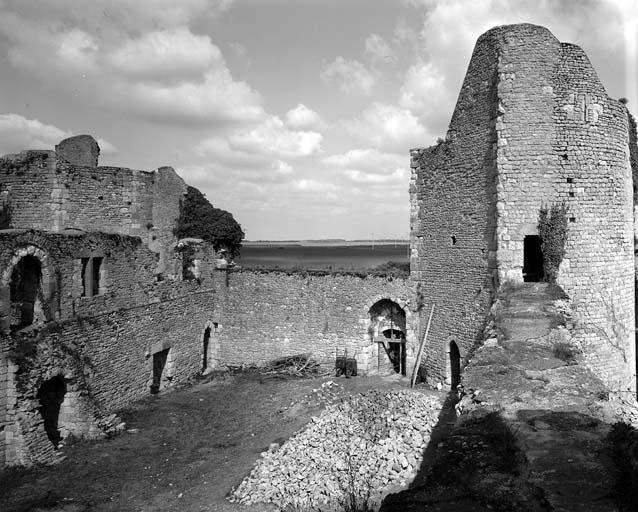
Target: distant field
(317,257)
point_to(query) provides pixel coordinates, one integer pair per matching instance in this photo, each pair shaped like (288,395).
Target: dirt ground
(182,450)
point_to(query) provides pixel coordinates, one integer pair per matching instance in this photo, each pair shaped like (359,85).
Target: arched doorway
(25,286)
(455,365)
(533,261)
(51,395)
(388,330)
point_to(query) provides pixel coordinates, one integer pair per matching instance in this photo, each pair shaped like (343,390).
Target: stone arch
(452,364)
(388,329)
(210,346)
(26,281)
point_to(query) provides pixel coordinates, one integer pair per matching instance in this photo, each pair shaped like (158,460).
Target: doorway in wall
(532,259)
(25,284)
(206,342)
(51,395)
(159,367)
(388,328)
(455,365)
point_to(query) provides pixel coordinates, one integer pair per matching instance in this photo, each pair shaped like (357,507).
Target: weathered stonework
(101,304)
(533,126)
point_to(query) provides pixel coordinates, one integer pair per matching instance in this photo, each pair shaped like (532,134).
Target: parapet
(82,150)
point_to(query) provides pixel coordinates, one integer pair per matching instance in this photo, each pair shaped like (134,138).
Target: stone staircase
(529,375)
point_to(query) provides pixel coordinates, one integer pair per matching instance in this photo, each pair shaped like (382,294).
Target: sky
(297,116)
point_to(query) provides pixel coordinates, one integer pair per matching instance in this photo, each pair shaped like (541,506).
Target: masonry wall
(453,201)
(562,139)
(48,193)
(533,126)
(269,315)
(102,346)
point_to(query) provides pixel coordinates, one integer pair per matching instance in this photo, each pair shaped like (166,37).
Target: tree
(200,219)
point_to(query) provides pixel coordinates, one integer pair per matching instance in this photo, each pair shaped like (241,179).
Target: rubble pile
(362,446)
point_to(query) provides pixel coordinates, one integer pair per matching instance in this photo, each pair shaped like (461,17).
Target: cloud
(377,49)
(351,76)
(272,138)
(18,133)
(176,52)
(158,70)
(389,128)
(369,160)
(303,118)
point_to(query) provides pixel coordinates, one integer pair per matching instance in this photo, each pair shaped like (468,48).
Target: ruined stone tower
(533,126)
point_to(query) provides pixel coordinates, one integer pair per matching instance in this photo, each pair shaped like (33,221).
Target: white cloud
(377,49)
(390,128)
(426,94)
(368,160)
(303,118)
(165,72)
(351,76)
(176,52)
(398,176)
(271,137)
(18,133)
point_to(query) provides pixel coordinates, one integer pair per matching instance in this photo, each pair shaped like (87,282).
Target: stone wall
(453,200)
(105,346)
(45,191)
(269,315)
(533,126)
(562,139)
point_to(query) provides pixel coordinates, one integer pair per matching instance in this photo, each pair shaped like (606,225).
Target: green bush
(200,219)
(552,229)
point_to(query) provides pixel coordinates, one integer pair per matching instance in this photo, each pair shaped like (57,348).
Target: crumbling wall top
(79,150)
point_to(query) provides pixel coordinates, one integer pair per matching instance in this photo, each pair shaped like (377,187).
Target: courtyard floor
(181,450)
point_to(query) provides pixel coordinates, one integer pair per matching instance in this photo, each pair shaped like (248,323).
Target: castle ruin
(102,304)
(533,126)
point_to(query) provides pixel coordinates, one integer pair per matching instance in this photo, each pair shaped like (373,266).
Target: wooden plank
(420,352)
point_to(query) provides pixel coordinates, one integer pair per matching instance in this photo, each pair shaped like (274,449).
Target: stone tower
(533,126)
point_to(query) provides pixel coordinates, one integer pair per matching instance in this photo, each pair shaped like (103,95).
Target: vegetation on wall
(200,219)
(552,228)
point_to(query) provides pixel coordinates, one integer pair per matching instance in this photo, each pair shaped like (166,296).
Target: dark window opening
(455,366)
(25,286)
(532,259)
(572,219)
(571,194)
(570,180)
(91,270)
(453,240)
(51,395)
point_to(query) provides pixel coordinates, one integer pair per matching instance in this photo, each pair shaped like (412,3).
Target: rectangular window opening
(91,270)
(570,180)
(572,219)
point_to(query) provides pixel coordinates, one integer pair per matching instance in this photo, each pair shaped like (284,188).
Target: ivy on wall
(552,229)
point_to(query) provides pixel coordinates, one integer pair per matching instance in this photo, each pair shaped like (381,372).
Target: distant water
(320,257)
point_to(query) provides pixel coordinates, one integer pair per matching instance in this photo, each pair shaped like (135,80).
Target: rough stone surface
(79,150)
(533,126)
(364,445)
